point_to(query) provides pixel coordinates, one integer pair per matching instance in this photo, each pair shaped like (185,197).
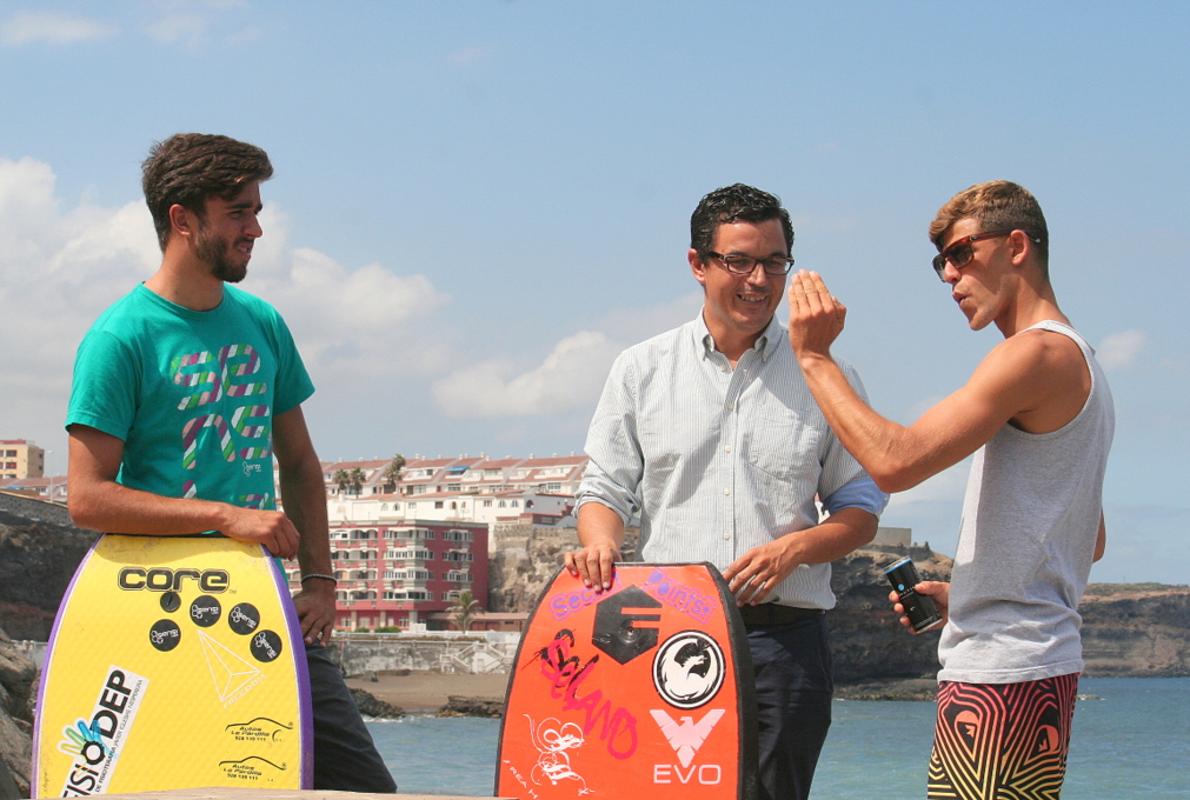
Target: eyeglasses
(960,251)
(738,264)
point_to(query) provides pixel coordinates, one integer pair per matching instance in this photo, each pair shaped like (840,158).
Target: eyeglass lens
(745,265)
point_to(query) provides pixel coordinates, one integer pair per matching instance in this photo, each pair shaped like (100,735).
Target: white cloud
(57,272)
(633,325)
(570,377)
(188,30)
(351,323)
(34,27)
(59,268)
(1118,350)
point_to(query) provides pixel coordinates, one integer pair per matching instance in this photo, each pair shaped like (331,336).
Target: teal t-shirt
(192,394)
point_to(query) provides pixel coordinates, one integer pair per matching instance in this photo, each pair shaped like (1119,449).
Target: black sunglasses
(960,251)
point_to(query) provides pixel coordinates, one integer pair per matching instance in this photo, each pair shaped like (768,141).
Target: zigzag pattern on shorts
(997,741)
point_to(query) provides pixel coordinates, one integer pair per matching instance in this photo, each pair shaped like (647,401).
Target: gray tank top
(1026,542)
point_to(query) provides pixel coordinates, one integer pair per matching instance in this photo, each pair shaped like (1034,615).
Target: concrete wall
(492,651)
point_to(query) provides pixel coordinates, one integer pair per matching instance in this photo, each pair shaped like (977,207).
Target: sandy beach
(421,692)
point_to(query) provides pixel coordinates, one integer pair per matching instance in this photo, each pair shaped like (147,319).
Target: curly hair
(996,205)
(736,203)
(187,168)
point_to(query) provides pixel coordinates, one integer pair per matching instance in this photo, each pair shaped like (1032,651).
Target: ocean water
(1131,741)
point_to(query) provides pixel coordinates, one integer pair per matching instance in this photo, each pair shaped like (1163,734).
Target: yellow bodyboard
(175,662)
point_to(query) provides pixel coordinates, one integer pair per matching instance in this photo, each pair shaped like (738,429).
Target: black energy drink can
(921,610)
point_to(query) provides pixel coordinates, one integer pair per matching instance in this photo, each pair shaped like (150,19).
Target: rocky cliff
(18,679)
(37,560)
(1135,631)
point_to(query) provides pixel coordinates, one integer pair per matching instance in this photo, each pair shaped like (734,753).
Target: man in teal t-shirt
(185,390)
(192,394)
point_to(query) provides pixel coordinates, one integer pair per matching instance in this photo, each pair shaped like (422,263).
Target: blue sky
(477,204)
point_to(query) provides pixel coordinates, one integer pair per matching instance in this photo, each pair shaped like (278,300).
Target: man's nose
(758,276)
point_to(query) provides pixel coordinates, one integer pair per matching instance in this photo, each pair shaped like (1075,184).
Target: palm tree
(392,473)
(464,610)
(342,480)
(357,481)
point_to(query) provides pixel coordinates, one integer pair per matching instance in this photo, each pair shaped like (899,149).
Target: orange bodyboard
(645,689)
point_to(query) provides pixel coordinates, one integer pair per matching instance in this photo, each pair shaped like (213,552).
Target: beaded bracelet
(321,576)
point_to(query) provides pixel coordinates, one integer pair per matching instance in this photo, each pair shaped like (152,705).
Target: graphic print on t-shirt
(247,435)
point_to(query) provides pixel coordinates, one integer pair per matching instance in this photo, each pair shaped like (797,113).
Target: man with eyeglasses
(1038,414)
(709,432)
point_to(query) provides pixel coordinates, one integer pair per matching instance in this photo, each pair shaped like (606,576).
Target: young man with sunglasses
(695,431)
(1038,414)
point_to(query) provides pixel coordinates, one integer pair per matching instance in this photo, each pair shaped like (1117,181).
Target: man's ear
(697,266)
(1021,245)
(182,220)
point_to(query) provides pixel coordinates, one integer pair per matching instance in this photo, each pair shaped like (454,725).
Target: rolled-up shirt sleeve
(845,483)
(613,474)
(859,493)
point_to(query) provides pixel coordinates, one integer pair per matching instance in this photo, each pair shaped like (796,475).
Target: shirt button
(727,449)
(727,491)
(727,536)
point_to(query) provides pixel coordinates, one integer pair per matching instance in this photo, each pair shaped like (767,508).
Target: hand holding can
(921,610)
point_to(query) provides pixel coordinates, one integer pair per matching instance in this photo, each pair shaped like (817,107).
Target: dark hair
(187,168)
(736,203)
(996,205)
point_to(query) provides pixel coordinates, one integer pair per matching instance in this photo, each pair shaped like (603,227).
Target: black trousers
(345,757)
(794,686)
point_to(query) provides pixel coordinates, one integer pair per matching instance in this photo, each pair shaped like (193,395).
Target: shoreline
(427,692)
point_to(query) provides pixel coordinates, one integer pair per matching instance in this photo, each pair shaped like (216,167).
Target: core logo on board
(689,669)
(686,737)
(164,579)
(95,745)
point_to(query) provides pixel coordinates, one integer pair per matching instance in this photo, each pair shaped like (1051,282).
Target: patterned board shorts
(1002,740)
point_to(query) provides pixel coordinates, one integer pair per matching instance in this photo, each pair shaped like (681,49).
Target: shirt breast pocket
(783,449)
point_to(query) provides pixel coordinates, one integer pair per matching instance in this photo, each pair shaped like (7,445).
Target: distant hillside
(1128,629)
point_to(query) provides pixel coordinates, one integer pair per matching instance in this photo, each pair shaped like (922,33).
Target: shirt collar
(767,344)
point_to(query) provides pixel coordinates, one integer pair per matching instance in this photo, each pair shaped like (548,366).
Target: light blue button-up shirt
(719,460)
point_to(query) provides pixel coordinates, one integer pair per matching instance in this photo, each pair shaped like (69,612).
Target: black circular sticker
(689,669)
(205,611)
(243,618)
(170,602)
(266,646)
(165,635)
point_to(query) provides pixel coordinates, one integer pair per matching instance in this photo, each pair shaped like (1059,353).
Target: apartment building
(390,576)
(558,475)
(20,458)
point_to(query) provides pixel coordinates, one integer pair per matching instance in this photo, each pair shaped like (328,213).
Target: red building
(393,575)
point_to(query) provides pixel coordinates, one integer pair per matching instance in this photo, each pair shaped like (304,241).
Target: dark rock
(18,676)
(8,787)
(370,706)
(918,689)
(459,706)
(37,561)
